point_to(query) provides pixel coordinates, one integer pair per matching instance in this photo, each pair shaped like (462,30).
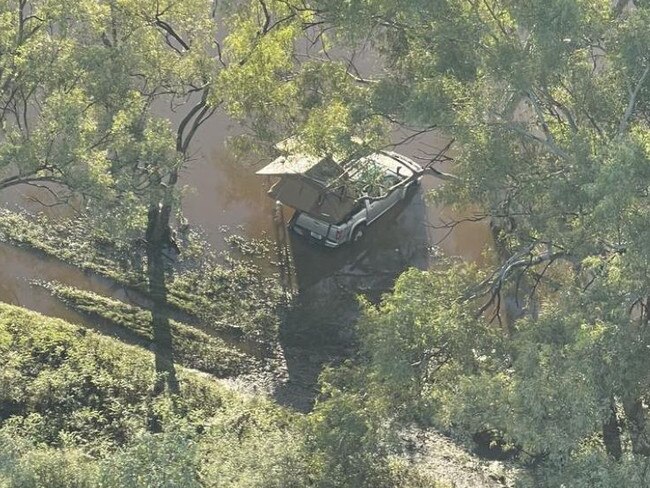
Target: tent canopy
(309,196)
(306,184)
(322,170)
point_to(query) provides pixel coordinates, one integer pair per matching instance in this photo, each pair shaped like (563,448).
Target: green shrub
(191,347)
(26,466)
(61,382)
(167,460)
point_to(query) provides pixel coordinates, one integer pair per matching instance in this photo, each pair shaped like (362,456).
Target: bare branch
(267,17)
(632,102)
(493,284)
(171,32)
(21,179)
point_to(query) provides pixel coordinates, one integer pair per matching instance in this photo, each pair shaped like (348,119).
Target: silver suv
(392,174)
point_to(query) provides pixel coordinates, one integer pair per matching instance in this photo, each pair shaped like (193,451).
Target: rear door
(376,208)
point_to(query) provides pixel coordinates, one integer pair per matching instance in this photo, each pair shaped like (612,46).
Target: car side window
(358,207)
(390,180)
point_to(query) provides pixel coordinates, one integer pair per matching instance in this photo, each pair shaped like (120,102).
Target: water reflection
(320,327)
(224,192)
(20,268)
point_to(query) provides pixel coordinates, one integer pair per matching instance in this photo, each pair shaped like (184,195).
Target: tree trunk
(635,415)
(158,237)
(612,434)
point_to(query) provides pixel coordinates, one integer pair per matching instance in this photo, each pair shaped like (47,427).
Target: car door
(373,209)
(376,208)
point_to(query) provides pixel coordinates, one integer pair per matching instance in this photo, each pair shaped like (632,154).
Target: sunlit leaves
(79,81)
(258,81)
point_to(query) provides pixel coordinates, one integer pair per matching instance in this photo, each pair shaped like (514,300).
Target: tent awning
(310,197)
(321,170)
(295,164)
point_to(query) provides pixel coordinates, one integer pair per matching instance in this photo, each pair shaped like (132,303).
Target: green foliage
(22,465)
(84,75)
(166,460)
(235,296)
(543,386)
(279,94)
(60,380)
(191,347)
(74,241)
(349,433)
(548,104)
(246,451)
(551,401)
(590,469)
(423,336)
(76,409)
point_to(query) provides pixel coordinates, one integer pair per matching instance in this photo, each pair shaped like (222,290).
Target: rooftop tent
(322,170)
(304,186)
(310,197)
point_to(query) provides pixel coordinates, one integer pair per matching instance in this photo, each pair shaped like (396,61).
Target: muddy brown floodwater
(220,191)
(223,195)
(21,269)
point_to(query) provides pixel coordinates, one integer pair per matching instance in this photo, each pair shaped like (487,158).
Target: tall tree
(82,85)
(548,104)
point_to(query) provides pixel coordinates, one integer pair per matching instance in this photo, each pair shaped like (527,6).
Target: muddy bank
(221,191)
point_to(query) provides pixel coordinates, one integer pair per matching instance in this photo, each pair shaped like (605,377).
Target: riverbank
(76,411)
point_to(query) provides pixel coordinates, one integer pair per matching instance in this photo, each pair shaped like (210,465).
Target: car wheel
(358,233)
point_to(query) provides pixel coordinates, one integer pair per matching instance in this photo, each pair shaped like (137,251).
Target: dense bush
(62,385)
(76,411)
(191,347)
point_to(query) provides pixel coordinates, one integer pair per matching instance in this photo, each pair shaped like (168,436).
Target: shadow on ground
(320,327)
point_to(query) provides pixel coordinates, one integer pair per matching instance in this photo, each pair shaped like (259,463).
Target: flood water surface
(222,195)
(21,270)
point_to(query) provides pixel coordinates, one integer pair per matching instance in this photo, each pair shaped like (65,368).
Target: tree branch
(632,102)
(170,31)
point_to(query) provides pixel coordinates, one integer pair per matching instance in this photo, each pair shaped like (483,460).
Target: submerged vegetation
(539,356)
(74,241)
(225,293)
(191,347)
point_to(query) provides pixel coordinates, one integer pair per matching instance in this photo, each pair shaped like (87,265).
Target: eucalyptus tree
(548,104)
(81,85)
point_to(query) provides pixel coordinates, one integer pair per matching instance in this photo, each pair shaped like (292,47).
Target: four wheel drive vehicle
(335,205)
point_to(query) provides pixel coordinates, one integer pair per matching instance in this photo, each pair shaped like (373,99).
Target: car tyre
(358,233)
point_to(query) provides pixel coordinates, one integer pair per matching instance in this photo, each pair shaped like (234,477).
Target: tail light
(339,234)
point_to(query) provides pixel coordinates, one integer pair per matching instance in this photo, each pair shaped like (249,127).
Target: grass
(75,242)
(75,408)
(192,348)
(225,294)
(75,412)
(75,379)
(235,297)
